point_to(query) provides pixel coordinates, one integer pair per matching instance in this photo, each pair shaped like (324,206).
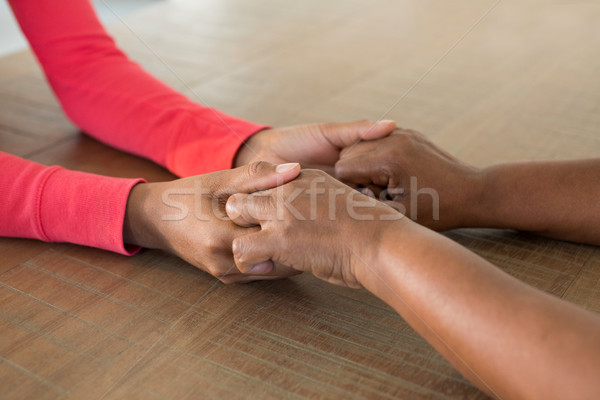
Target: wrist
(472,205)
(371,263)
(483,200)
(138,226)
(249,149)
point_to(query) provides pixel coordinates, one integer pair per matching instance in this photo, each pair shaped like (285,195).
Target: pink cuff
(83,208)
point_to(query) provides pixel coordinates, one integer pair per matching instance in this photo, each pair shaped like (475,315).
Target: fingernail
(261,268)
(386,121)
(283,168)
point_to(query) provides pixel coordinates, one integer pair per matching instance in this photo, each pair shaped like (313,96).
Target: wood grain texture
(521,83)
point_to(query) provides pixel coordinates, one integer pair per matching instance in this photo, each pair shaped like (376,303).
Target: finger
(249,210)
(252,250)
(348,133)
(278,272)
(259,175)
(223,266)
(353,172)
(243,278)
(232,274)
(361,169)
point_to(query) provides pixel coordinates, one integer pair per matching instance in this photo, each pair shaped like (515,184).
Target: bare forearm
(558,199)
(511,340)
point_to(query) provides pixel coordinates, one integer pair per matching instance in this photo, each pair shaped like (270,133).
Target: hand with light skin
(558,199)
(511,340)
(187,217)
(312,145)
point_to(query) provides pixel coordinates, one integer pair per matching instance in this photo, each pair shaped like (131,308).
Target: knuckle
(239,250)
(385,168)
(236,248)
(340,169)
(257,167)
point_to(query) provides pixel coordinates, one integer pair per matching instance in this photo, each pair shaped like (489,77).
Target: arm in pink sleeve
(114,100)
(57,205)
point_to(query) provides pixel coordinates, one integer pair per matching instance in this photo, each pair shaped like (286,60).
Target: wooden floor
(489,81)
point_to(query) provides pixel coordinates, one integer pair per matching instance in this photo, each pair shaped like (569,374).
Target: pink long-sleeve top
(114,100)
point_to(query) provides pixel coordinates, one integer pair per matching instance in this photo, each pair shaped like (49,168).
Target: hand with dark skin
(511,340)
(557,199)
(187,217)
(292,223)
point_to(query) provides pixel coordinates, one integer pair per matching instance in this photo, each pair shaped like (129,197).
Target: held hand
(414,176)
(314,223)
(313,146)
(187,218)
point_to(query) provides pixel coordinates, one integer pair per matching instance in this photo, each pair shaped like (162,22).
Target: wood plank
(76,322)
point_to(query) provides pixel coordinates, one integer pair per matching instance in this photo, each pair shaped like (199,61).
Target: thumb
(345,134)
(253,250)
(258,175)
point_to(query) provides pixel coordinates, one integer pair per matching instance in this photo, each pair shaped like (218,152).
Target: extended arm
(57,205)
(114,100)
(183,216)
(558,199)
(512,340)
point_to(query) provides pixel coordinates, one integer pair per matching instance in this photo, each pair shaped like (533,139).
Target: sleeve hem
(85,209)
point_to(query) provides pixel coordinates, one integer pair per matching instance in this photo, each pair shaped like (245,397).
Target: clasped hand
(187,216)
(318,224)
